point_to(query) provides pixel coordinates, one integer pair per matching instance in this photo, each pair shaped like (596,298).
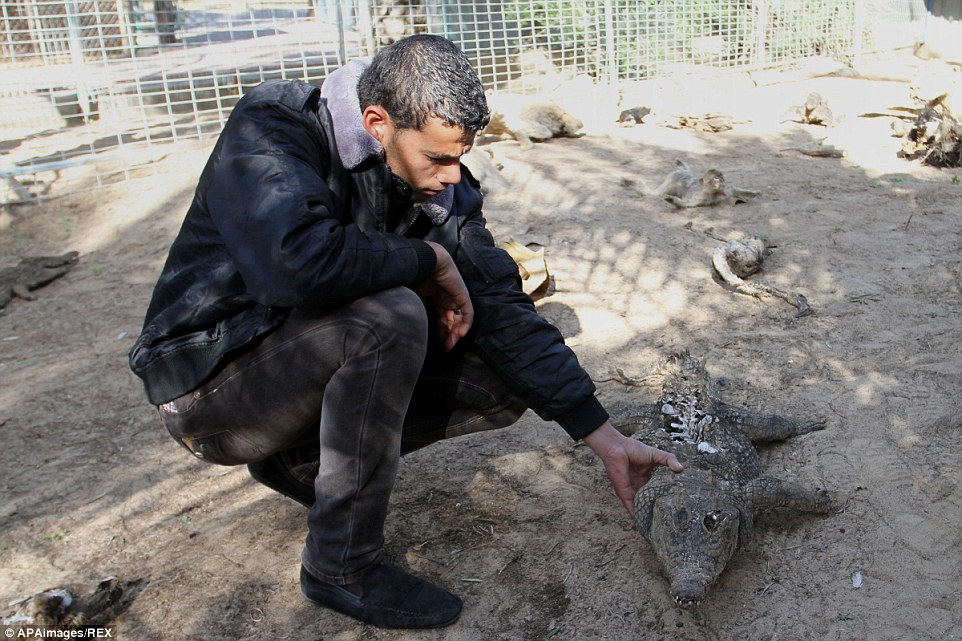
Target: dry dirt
(522,523)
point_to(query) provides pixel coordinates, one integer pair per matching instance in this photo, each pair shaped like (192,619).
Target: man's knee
(396,315)
(387,318)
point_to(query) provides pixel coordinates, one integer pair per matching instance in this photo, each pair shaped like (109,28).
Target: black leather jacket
(277,222)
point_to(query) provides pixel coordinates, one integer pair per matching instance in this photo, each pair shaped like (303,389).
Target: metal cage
(90,90)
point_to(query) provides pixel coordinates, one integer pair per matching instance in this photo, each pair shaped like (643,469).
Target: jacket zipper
(408,221)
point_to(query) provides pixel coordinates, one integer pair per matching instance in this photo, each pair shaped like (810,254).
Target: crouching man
(333,300)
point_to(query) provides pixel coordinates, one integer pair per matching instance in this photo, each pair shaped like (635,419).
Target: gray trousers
(358,385)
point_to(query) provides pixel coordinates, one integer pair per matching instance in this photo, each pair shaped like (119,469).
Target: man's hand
(628,462)
(452,304)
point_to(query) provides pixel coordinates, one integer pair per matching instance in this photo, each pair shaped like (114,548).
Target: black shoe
(278,472)
(390,598)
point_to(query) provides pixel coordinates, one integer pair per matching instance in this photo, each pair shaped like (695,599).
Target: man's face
(427,159)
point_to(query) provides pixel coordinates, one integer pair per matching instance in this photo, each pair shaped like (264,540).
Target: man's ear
(376,121)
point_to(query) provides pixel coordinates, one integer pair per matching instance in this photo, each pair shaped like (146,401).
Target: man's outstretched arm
(628,462)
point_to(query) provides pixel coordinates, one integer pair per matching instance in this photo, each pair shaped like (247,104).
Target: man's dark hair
(421,76)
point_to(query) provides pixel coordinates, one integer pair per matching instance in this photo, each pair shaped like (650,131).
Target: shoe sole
(354,610)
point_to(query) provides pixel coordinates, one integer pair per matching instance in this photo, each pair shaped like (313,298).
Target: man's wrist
(584,419)
(427,260)
(603,434)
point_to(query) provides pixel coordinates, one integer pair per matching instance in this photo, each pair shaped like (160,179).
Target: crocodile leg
(762,428)
(765,493)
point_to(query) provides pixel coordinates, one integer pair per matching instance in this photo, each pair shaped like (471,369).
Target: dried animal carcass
(31,273)
(735,260)
(530,120)
(712,123)
(397,19)
(633,116)
(66,607)
(486,170)
(814,111)
(683,189)
(935,138)
(697,519)
(934,135)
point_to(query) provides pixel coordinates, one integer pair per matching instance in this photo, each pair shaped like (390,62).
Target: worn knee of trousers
(398,319)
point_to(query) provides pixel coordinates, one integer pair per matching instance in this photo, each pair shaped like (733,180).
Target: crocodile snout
(689,594)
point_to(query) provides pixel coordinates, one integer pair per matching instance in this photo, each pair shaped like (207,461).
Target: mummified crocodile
(31,273)
(697,519)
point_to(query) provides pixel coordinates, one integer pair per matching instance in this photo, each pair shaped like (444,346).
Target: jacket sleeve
(524,348)
(266,190)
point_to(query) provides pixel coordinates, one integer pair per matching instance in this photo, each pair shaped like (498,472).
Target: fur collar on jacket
(354,144)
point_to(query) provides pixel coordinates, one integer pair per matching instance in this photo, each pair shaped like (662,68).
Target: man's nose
(450,174)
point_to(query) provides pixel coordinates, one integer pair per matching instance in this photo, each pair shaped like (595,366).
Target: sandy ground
(522,523)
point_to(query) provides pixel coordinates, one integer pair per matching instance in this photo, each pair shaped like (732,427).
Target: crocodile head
(693,534)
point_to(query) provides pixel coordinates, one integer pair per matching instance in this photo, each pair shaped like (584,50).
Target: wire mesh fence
(629,40)
(91,89)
